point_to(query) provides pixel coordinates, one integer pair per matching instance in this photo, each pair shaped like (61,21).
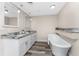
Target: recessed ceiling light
(30,2)
(6,11)
(52,7)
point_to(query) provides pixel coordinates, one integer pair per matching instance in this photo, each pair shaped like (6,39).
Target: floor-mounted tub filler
(58,45)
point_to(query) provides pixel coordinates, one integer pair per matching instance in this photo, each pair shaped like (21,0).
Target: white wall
(69,18)
(43,25)
(1,14)
(1,23)
(23,20)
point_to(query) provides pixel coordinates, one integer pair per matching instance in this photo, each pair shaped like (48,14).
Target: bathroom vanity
(18,46)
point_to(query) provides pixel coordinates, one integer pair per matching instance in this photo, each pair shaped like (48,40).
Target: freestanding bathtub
(58,45)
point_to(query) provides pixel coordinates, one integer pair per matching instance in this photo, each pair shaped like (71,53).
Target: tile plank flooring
(39,49)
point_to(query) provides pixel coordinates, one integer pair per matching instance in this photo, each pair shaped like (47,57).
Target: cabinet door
(22,48)
(34,38)
(24,45)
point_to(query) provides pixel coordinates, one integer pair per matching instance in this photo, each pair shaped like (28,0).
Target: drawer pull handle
(26,43)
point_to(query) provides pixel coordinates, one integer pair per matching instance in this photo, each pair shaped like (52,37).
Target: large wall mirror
(10,14)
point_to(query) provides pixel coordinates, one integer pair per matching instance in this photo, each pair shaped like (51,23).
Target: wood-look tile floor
(39,49)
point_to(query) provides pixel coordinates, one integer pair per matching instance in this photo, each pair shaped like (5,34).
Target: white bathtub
(58,45)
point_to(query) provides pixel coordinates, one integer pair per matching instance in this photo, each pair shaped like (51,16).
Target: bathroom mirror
(10,14)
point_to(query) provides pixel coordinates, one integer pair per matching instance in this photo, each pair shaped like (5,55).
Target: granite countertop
(12,36)
(70,30)
(68,34)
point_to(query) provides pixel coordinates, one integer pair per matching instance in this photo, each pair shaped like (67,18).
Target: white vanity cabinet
(10,47)
(33,38)
(18,47)
(24,45)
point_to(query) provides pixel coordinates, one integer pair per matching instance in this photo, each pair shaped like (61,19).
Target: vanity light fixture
(19,11)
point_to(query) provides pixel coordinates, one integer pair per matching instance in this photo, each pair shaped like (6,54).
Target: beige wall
(69,15)
(68,18)
(43,25)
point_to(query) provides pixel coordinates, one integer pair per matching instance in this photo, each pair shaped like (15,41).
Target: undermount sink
(20,35)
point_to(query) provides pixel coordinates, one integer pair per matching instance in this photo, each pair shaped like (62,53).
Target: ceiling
(40,8)
(12,10)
